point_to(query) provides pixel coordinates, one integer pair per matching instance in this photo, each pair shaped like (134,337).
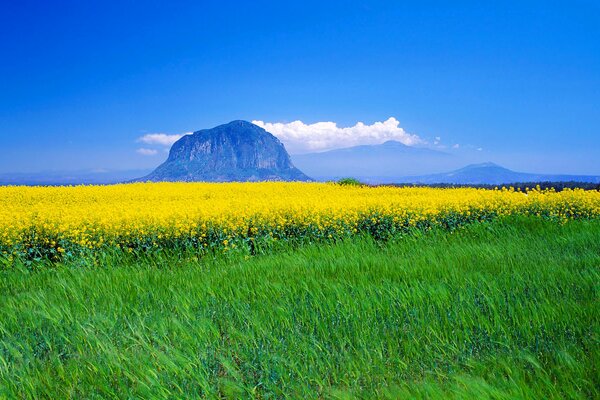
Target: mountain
(492,174)
(374,163)
(237,151)
(61,178)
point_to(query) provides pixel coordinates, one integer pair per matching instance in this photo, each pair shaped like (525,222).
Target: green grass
(502,310)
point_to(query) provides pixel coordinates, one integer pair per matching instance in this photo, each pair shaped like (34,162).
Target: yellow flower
(120,215)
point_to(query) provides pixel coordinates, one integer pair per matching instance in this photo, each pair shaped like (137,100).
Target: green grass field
(502,310)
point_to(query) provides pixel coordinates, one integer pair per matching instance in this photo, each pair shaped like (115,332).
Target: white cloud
(147,152)
(161,139)
(299,137)
(456,146)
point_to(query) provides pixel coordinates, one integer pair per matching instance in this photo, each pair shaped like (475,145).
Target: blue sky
(81,82)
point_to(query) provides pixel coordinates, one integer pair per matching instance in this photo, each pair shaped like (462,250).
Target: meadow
(278,290)
(499,310)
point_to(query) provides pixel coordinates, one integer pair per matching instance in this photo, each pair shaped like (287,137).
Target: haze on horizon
(112,85)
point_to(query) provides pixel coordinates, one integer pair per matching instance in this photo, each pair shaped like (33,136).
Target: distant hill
(237,151)
(372,163)
(80,177)
(492,174)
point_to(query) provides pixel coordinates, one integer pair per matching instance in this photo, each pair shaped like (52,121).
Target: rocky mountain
(375,163)
(493,174)
(237,151)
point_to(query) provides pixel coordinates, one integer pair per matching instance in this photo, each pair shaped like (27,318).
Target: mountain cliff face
(237,151)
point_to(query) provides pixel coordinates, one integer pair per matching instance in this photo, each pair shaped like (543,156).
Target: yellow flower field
(59,219)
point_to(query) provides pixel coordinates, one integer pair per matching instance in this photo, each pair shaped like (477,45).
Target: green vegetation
(349,182)
(503,309)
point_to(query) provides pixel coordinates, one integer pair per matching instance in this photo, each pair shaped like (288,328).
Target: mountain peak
(393,143)
(236,151)
(240,123)
(488,164)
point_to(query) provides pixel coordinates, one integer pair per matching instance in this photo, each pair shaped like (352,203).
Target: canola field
(51,222)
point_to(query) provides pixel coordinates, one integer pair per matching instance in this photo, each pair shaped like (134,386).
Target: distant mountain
(373,163)
(492,174)
(80,177)
(237,151)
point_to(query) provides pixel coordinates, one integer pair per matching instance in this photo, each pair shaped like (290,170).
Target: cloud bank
(147,152)
(161,139)
(299,137)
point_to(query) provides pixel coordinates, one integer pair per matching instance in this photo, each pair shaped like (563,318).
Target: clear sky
(82,81)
